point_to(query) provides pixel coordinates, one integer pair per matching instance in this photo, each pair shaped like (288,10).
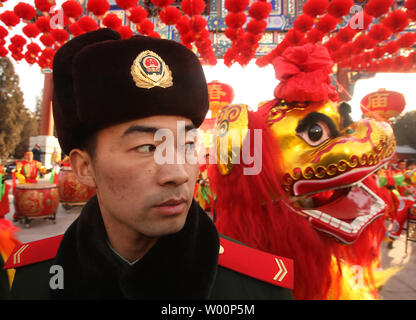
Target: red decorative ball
(9,18)
(379,32)
(377,8)
(47,40)
(3,32)
(136,14)
(98,7)
(197,23)
(235,20)
(162,4)
(410,4)
(236,5)
(75,29)
(193,7)
(24,11)
(339,8)
(18,40)
(33,48)
(407,40)
(260,10)
(314,35)
(396,21)
(303,23)
(170,15)
(72,9)
(125,32)
(87,24)
(43,24)
(392,47)
(145,27)
(346,34)
(60,35)
(256,26)
(315,7)
(327,23)
(44,5)
(126,4)
(183,25)
(31,30)
(112,21)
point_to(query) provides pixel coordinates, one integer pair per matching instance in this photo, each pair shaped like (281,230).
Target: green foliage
(16,122)
(404,127)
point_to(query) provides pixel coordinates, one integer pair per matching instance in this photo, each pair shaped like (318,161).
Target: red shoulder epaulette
(257,264)
(33,252)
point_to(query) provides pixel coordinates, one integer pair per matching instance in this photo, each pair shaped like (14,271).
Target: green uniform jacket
(184,265)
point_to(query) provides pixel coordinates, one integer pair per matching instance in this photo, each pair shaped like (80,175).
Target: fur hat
(101,80)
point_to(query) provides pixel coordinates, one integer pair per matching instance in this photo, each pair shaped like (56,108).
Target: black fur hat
(101,80)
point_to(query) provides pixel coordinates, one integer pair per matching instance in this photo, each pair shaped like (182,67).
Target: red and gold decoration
(36,201)
(71,192)
(383,103)
(220,95)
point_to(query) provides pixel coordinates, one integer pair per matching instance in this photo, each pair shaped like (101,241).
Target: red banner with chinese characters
(220,95)
(383,103)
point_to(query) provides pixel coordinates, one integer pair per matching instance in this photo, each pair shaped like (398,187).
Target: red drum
(71,191)
(36,200)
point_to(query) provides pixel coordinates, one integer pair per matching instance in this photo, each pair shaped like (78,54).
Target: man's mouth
(343,213)
(171,207)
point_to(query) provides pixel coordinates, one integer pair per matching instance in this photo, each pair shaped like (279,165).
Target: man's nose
(174,174)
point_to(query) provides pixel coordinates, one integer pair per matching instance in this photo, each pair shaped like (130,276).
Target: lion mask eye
(315,134)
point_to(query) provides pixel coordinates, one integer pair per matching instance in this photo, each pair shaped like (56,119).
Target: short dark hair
(89,144)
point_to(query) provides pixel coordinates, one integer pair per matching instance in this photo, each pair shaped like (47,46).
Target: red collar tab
(33,252)
(257,264)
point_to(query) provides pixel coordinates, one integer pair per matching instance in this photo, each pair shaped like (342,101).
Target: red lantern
(383,104)
(220,95)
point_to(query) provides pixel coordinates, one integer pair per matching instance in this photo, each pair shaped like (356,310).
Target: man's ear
(81,164)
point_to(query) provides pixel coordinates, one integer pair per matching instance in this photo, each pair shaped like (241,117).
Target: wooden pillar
(344,85)
(46,117)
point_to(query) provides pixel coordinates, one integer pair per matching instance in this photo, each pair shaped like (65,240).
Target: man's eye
(146,148)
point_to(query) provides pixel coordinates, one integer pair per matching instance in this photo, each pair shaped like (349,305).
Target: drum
(71,191)
(36,200)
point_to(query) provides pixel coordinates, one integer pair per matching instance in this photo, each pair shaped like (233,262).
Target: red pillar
(46,117)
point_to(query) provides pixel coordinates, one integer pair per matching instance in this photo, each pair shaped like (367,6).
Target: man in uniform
(142,236)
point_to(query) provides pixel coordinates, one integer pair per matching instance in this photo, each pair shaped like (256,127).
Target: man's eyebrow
(146,129)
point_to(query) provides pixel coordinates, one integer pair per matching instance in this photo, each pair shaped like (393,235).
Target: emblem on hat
(149,70)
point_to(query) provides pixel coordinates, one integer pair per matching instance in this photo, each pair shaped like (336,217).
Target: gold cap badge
(149,70)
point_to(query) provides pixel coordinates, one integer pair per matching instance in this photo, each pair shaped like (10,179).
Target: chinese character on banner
(220,95)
